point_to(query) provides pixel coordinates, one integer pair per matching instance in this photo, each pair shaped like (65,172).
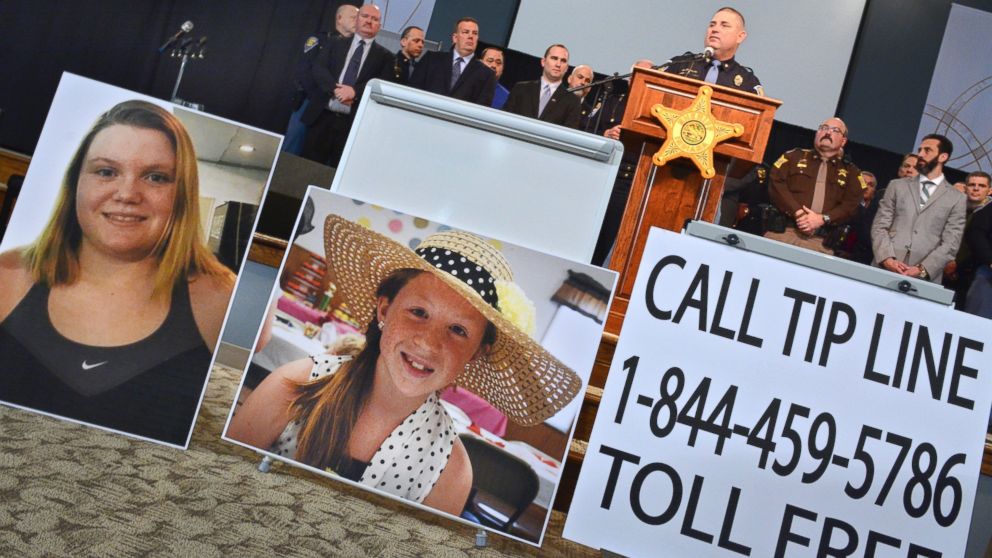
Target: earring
(381,324)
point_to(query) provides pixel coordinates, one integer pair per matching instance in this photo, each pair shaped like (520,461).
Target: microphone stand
(179,78)
(604,93)
(187,50)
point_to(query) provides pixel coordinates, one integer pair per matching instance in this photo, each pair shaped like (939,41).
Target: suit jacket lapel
(557,94)
(338,60)
(937,192)
(914,186)
(370,62)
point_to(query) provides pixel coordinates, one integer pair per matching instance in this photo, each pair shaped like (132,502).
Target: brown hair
(978,174)
(328,408)
(547,51)
(54,258)
(464,20)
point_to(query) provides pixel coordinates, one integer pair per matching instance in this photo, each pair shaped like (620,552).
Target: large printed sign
(758,408)
(393,359)
(121,257)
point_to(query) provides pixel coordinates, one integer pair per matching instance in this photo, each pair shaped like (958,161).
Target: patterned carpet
(69,490)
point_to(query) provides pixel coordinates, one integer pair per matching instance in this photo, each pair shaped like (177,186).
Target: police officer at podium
(717,64)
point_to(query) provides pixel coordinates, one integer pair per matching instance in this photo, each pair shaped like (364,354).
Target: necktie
(456,71)
(713,72)
(545,97)
(926,188)
(819,189)
(351,73)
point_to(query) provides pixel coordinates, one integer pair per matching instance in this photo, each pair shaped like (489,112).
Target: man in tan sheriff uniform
(816,188)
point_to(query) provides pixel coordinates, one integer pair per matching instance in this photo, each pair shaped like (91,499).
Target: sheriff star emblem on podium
(693,132)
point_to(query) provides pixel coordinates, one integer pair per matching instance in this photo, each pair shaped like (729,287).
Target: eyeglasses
(832,129)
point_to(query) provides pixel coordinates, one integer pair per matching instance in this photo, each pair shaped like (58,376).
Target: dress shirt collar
(465,59)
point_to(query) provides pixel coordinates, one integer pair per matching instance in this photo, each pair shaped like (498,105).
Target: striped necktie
(456,72)
(926,190)
(543,101)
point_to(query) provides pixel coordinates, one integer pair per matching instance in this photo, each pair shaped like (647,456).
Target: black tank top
(149,388)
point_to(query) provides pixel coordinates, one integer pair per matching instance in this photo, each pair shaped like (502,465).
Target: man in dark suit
(493,58)
(459,73)
(345,20)
(340,74)
(920,220)
(547,99)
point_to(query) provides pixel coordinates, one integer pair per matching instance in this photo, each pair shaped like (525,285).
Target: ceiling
(219,141)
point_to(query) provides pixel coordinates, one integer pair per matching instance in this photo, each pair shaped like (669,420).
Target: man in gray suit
(920,220)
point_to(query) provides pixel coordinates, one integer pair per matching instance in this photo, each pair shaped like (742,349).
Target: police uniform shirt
(403,67)
(731,73)
(793,181)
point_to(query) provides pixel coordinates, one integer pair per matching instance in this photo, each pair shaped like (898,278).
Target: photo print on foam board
(420,414)
(121,257)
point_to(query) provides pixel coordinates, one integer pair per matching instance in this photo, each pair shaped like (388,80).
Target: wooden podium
(665,197)
(668,195)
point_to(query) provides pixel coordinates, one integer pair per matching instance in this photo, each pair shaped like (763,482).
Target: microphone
(201,46)
(708,54)
(185,28)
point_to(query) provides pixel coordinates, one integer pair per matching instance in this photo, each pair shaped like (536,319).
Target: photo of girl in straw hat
(446,312)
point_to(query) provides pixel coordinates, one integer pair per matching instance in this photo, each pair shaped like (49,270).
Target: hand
(951,270)
(895,266)
(345,94)
(743,210)
(913,271)
(613,133)
(808,221)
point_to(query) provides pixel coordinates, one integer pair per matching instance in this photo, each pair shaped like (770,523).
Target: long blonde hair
(54,257)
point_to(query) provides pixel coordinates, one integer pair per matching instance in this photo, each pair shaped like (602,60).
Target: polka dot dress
(410,459)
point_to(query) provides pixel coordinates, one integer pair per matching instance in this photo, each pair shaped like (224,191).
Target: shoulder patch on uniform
(781,161)
(311,42)
(861,180)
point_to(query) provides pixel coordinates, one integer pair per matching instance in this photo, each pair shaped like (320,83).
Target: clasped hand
(897,266)
(345,94)
(807,220)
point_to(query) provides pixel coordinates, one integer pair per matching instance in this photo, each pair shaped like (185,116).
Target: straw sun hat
(517,376)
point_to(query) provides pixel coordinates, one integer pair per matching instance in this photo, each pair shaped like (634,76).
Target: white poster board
(537,185)
(756,407)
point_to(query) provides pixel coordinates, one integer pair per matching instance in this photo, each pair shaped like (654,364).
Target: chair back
(503,485)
